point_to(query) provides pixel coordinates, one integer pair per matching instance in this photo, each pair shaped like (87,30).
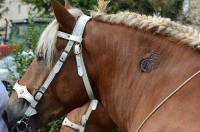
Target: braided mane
(155,24)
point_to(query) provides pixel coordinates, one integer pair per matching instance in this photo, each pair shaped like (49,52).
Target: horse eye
(40,58)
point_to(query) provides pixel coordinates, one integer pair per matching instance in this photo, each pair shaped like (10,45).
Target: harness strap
(166,99)
(67,36)
(82,70)
(68,123)
(85,117)
(92,107)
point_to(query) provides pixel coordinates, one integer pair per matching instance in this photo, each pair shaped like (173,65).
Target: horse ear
(64,18)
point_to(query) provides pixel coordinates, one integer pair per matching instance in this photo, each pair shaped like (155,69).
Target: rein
(166,99)
(23,125)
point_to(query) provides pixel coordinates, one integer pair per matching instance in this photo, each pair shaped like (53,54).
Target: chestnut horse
(134,62)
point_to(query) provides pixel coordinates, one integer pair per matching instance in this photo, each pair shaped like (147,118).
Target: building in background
(191,10)
(15,10)
(194,12)
(12,10)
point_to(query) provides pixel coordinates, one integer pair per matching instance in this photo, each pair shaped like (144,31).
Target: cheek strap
(23,93)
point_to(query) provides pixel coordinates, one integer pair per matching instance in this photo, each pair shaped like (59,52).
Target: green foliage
(23,55)
(52,127)
(84,4)
(42,6)
(33,38)
(140,6)
(170,8)
(22,61)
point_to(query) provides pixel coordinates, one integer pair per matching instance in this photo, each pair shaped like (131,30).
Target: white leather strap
(30,111)
(67,123)
(67,36)
(77,51)
(23,93)
(80,26)
(82,71)
(79,59)
(92,107)
(84,119)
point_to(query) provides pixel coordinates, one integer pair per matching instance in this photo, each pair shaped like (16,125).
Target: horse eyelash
(39,57)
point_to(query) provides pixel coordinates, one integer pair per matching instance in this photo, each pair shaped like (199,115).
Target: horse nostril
(5,117)
(21,127)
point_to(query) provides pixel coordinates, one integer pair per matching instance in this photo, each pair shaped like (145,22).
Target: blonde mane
(155,24)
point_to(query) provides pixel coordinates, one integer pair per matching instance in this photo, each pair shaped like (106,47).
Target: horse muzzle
(22,125)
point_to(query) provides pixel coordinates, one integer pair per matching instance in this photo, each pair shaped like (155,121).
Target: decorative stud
(21,91)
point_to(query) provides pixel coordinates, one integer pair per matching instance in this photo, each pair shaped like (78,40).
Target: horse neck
(113,56)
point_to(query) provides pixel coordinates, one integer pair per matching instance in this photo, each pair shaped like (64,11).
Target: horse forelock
(158,25)
(46,44)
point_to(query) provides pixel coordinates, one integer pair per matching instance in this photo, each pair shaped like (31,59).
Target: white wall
(16,10)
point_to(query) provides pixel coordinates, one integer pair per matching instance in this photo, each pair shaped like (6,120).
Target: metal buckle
(38,95)
(22,126)
(77,49)
(63,56)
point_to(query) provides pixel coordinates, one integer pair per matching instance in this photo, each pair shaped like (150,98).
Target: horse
(98,122)
(143,69)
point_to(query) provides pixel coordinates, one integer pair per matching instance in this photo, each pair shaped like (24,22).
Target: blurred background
(22,22)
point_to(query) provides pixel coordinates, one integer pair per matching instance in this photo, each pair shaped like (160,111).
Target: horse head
(66,90)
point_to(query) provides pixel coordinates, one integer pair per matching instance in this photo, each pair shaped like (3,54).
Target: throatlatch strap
(68,123)
(85,117)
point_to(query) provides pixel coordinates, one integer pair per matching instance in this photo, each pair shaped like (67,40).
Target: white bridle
(74,40)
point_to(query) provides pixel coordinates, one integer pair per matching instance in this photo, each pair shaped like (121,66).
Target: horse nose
(11,121)
(9,117)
